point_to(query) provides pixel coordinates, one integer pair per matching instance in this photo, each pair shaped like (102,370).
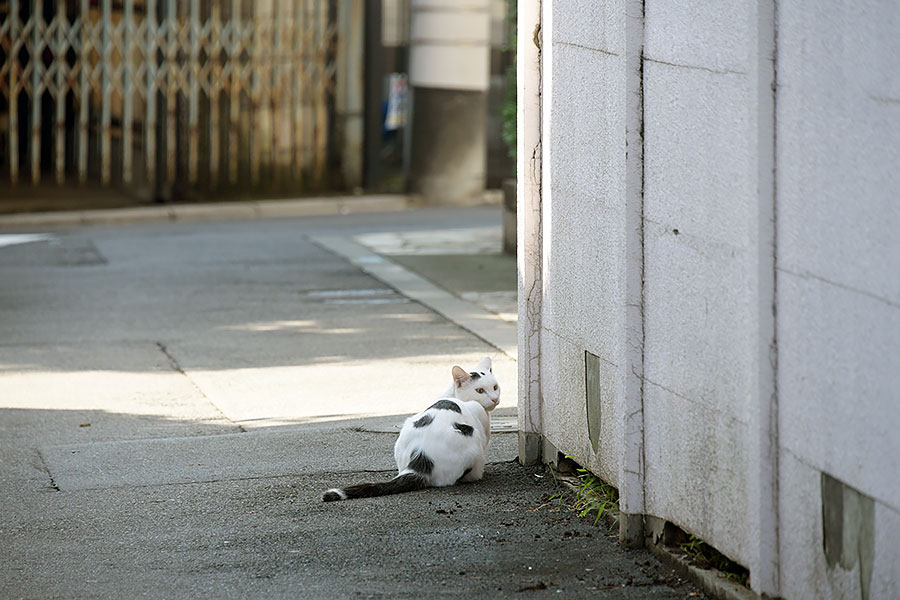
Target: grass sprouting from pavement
(584,492)
(593,498)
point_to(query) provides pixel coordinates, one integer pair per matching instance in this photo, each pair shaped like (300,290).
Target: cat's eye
(480,390)
(495,388)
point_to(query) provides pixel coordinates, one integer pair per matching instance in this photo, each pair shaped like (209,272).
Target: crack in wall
(838,284)
(694,67)
(584,47)
(707,406)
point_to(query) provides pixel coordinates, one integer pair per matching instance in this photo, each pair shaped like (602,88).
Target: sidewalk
(461,274)
(174,398)
(212,211)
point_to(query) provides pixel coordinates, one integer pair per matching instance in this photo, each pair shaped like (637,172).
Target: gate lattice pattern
(153,93)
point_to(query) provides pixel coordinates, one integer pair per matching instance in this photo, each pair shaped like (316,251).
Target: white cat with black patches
(444,444)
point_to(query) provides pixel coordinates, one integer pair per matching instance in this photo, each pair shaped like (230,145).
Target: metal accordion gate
(214,95)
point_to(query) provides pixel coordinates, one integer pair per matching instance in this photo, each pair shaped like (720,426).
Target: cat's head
(479,385)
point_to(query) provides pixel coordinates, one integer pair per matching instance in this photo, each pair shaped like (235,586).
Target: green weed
(592,496)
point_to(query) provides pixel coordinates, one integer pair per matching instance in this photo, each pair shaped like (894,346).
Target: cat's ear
(460,376)
(484,365)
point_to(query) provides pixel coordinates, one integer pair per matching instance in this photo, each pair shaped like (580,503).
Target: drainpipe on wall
(528,226)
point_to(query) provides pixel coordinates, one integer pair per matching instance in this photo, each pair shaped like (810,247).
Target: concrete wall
(838,288)
(583,225)
(700,322)
(729,252)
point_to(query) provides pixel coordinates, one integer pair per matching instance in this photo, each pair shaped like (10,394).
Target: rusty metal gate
(150,94)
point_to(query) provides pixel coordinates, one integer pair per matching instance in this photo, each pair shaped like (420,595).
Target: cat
(445,443)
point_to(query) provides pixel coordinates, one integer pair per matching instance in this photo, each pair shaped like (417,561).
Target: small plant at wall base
(596,496)
(592,496)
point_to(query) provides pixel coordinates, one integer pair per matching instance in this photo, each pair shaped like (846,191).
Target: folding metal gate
(156,93)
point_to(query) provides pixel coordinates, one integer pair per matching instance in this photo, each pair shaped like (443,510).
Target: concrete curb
(710,581)
(255,209)
(471,317)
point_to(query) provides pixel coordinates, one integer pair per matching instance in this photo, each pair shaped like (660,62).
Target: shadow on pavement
(239,515)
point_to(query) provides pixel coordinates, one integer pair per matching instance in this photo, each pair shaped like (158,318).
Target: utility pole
(449,74)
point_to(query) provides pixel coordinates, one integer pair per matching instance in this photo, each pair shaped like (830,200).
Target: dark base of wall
(529,448)
(654,534)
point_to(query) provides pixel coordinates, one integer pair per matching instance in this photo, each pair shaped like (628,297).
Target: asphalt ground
(175,396)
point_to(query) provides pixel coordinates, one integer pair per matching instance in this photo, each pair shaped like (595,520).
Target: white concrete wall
(583,223)
(765,216)
(699,265)
(838,218)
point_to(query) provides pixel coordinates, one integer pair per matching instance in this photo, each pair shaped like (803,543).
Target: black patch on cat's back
(421,464)
(424,421)
(466,430)
(447,405)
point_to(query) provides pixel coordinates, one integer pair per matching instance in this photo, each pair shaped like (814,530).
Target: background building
(201,99)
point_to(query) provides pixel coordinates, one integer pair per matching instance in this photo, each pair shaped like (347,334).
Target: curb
(256,209)
(710,581)
(474,319)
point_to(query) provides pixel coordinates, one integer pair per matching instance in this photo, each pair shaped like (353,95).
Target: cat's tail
(413,477)
(407,482)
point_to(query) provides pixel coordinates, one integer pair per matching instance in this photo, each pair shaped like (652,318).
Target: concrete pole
(631,468)
(449,70)
(762,475)
(529,240)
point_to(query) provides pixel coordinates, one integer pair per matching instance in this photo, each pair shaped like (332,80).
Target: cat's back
(447,415)
(447,428)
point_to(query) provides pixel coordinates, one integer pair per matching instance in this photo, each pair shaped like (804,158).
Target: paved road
(174,397)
